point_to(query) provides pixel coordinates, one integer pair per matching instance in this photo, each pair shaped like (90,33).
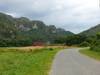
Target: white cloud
(58,7)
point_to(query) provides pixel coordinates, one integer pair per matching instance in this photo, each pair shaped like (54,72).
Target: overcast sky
(71,15)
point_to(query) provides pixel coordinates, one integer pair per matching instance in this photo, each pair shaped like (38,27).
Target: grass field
(30,62)
(91,54)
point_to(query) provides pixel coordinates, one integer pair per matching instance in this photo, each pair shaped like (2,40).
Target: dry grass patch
(40,47)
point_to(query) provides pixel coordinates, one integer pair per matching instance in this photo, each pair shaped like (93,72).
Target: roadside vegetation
(95,46)
(94,50)
(91,54)
(26,62)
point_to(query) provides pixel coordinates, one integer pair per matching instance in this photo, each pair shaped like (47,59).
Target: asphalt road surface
(70,62)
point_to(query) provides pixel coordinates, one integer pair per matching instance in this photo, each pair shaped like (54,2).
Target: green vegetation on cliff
(14,31)
(92,31)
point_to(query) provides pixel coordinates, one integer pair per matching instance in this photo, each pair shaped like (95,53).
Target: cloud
(73,15)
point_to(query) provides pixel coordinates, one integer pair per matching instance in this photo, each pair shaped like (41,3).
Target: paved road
(70,62)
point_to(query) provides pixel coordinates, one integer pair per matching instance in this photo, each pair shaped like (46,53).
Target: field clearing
(30,62)
(40,47)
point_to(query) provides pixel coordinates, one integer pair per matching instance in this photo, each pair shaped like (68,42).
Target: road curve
(70,62)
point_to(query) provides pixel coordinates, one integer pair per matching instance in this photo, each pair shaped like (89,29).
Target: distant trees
(60,39)
(2,44)
(38,37)
(80,40)
(87,42)
(75,39)
(7,42)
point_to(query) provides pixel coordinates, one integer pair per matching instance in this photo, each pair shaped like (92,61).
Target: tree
(83,44)
(95,46)
(2,44)
(38,37)
(75,39)
(24,42)
(60,39)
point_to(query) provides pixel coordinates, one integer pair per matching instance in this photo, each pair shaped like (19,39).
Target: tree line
(80,40)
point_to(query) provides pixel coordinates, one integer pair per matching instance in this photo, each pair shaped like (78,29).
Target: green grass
(8,48)
(18,62)
(91,54)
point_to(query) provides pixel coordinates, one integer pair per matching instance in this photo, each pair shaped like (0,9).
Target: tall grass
(19,62)
(91,54)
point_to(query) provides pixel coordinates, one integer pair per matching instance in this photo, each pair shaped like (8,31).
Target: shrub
(98,35)
(84,44)
(95,46)
(51,49)
(2,44)
(75,39)
(96,49)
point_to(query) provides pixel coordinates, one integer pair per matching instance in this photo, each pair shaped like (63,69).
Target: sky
(71,15)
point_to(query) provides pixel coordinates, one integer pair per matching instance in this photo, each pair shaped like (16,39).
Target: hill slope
(7,31)
(33,29)
(92,31)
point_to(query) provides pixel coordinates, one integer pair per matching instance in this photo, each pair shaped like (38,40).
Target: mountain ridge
(92,31)
(35,27)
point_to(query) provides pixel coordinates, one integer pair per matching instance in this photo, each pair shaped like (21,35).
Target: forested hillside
(23,32)
(92,31)
(21,29)
(7,31)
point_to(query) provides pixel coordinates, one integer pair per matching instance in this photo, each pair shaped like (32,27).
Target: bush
(95,46)
(2,44)
(98,35)
(51,49)
(84,44)
(75,39)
